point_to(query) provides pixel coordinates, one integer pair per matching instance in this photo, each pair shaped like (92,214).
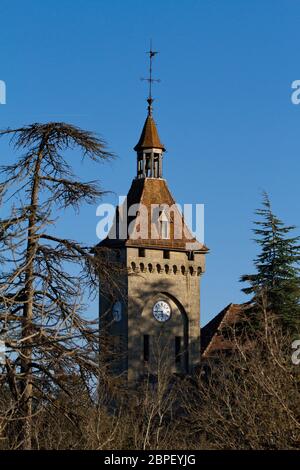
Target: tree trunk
(26,354)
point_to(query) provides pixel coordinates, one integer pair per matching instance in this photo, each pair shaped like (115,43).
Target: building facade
(154,318)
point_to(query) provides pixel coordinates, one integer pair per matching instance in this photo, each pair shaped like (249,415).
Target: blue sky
(223,107)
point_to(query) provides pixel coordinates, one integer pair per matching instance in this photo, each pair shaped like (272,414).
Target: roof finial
(150,80)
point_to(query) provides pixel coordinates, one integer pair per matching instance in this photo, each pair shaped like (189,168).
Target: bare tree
(249,399)
(42,276)
(148,418)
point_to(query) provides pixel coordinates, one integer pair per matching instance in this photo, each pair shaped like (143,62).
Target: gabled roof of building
(150,192)
(149,136)
(212,339)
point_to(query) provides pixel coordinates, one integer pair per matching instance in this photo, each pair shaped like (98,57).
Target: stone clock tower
(155,315)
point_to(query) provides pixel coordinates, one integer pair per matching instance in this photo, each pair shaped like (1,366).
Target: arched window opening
(148,165)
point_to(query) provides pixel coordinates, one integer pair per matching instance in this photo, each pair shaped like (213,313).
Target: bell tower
(149,149)
(157,318)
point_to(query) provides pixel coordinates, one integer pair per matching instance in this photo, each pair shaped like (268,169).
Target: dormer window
(164,226)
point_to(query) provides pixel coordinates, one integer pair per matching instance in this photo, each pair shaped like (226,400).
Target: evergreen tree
(277,268)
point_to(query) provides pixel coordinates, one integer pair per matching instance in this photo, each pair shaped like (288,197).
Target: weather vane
(150,79)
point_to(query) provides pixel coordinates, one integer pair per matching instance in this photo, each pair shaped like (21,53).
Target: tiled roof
(212,339)
(149,137)
(154,191)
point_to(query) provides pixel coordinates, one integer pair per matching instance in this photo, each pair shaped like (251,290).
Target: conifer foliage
(277,268)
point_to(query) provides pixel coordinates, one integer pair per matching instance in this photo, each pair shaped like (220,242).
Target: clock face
(117,311)
(161,311)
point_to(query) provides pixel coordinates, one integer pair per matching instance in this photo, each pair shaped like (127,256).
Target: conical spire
(149,137)
(149,147)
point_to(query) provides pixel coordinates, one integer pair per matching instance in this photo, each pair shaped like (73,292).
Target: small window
(164,226)
(142,252)
(166,254)
(191,256)
(164,229)
(146,348)
(177,349)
